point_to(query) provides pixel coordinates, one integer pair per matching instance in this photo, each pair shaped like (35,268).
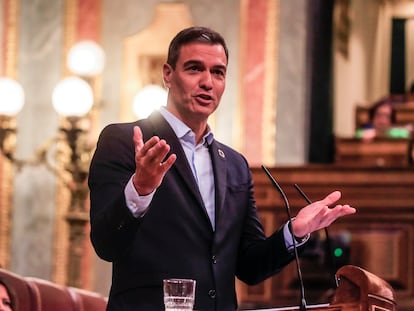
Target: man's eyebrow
(223,67)
(192,62)
(198,62)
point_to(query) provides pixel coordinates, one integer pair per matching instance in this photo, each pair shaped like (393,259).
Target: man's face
(197,82)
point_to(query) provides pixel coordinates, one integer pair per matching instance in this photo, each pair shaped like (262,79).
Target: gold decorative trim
(270,82)
(6,168)
(71,14)
(61,241)
(238,137)
(12,29)
(6,203)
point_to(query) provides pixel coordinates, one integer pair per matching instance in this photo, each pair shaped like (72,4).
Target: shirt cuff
(290,242)
(137,204)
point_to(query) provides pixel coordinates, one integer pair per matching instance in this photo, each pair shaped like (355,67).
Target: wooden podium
(358,290)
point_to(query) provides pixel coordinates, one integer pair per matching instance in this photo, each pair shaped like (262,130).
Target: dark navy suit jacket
(175,237)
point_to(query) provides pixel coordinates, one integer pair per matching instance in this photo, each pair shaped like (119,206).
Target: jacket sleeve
(260,257)
(112,224)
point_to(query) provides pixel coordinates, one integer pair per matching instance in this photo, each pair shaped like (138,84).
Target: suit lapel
(181,166)
(220,176)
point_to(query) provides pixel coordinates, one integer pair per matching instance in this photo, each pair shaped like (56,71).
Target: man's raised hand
(150,162)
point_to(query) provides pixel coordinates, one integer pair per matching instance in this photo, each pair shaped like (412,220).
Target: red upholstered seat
(35,294)
(88,301)
(52,296)
(23,293)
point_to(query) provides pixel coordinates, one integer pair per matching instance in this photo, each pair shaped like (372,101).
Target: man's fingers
(338,212)
(152,146)
(331,198)
(166,165)
(138,138)
(153,151)
(143,148)
(343,210)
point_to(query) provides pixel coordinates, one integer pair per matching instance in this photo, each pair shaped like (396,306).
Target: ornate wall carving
(81,22)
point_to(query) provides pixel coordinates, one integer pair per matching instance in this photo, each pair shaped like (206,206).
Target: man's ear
(166,75)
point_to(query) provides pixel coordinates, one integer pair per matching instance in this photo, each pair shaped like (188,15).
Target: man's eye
(194,68)
(219,72)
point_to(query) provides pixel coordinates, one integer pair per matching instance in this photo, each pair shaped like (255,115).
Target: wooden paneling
(378,152)
(381,234)
(357,290)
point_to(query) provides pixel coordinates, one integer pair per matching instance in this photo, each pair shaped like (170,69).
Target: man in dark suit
(169,201)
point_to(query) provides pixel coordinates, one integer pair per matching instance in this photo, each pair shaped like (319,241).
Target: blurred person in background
(383,123)
(6,298)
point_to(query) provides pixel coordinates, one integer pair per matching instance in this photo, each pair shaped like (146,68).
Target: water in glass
(175,303)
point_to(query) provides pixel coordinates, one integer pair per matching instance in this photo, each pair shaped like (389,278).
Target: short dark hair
(193,34)
(386,101)
(11,294)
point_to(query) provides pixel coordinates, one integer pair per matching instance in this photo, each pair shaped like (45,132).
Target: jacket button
(212,293)
(214,259)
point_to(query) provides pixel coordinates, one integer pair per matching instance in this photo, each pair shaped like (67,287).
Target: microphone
(328,240)
(302,288)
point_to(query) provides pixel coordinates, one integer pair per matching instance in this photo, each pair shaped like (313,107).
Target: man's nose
(206,81)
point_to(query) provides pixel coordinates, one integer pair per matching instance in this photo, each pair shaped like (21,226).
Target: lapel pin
(221,153)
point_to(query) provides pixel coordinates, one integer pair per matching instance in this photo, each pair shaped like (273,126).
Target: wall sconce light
(86,59)
(12,101)
(72,98)
(148,99)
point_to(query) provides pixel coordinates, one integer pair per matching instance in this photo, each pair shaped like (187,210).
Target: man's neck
(198,126)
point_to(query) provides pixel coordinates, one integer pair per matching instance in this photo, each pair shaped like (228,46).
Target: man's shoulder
(228,150)
(144,124)
(225,147)
(118,128)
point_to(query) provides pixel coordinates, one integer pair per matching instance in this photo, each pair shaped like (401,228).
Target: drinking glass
(179,294)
